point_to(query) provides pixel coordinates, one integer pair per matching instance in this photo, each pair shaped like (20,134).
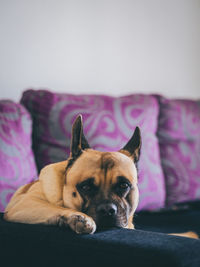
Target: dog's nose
(107,209)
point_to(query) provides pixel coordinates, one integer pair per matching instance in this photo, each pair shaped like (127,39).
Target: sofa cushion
(179,138)
(108,124)
(16,156)
(40,245)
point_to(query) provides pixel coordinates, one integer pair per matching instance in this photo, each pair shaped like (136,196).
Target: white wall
(100,46)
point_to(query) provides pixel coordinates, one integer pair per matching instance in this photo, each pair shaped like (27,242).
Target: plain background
(100,46)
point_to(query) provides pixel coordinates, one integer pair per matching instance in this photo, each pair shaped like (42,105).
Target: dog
(88,191)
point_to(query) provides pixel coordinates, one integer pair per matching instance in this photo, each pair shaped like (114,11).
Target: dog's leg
(130,223)
(38,211)
(189,234)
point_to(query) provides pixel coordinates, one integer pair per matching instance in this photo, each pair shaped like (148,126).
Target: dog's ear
(132,148)
(78,140)
(52,178)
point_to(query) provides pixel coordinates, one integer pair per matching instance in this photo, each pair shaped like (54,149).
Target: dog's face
(102,185)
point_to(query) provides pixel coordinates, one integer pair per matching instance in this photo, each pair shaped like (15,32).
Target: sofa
(37,131)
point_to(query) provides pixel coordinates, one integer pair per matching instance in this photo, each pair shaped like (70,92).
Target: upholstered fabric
(38,245)
(179,138)
(17,164)
(108,124)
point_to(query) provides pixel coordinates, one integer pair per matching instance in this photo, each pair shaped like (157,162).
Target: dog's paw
(81,224)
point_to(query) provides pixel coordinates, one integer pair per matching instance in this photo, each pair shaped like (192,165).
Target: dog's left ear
(78,140)
(132,148)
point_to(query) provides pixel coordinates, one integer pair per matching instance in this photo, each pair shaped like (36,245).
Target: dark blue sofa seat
(39,245)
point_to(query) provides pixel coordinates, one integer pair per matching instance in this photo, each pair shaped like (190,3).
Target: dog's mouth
(108,223)
(108,215)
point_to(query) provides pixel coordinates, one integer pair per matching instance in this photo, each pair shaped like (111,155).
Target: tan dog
(91,189)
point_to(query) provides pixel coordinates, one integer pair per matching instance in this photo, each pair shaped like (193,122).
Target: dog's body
(90,190)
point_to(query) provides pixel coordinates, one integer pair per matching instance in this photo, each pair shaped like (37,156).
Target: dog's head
(102,184)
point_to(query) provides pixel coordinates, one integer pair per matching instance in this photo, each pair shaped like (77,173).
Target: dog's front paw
(81,224)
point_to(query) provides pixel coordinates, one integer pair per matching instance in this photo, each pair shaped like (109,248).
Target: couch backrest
(169,166)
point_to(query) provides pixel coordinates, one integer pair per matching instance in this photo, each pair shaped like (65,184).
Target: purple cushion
(179,137)
(16,156)
(108,124)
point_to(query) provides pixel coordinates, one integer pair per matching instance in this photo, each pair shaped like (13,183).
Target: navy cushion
(39,245)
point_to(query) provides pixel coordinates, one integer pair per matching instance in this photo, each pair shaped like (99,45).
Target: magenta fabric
(17,165)
(179,137)
(108,124)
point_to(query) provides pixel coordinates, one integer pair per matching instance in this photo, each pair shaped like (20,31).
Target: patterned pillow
(179,138)
(108,124)
(16,157)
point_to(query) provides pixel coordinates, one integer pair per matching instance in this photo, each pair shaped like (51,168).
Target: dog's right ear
(78,140)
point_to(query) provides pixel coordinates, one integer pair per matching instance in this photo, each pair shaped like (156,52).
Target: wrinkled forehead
(103,165)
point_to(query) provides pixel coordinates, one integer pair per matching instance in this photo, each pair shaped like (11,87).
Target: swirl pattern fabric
(179,137)
(16,156)
(108,124)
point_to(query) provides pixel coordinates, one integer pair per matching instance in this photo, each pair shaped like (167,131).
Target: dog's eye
(123,185)
(86,187)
